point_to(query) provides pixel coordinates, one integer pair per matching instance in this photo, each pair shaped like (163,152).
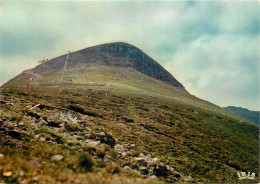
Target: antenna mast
(64,66)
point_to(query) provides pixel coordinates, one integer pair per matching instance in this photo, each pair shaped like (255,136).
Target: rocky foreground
(22,122)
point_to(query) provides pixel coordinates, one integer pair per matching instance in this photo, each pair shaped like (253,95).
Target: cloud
(211,47)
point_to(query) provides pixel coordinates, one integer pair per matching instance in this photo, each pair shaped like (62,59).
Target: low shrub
(85,162)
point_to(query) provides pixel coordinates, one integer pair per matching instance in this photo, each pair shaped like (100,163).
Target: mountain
(127,59)
(252,116)
(116,116)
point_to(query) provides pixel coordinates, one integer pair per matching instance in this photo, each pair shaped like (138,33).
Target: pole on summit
(64,67)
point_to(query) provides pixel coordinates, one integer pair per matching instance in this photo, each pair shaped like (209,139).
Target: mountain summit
(122,56)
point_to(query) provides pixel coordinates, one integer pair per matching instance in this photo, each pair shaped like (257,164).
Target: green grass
(198,142)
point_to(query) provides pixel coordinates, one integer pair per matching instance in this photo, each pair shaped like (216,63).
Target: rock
(153,177)
(124,154)
(36,137)
(151,163)
(148,156)
(1,155)
(42,122)
(92,143)
(141,161)
(89,136)
(57,157)
(126,167)
(155,159)
(21,123)
(141,155)
(61,130)
(77,137)
(176,174)
(119,148)
(52,123)
(108,158)
(35,163)
(42,139)
(106,138)
(187,179)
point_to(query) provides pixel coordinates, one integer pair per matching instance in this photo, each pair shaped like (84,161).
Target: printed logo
(244,175)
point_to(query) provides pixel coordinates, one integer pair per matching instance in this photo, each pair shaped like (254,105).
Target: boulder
(176,174)
(106,138)
(126,167)
(36,163)
(42,139)
(119,148)
(57,157)
(92,143)
(153,177)
(141,161)
(89,136)
(108,158)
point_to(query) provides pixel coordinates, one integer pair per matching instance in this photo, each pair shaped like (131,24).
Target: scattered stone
(176,174)
(153,177)
(42,139)
(92,143)
(21,123)
(126,167)
(187,179)
(141,161)
(36,137)
(57,157)
(36,163)
(142,155)
(155,159)
(108,158)
(21,173)
(106,138)
(89,136)
(119,148)
(42,122)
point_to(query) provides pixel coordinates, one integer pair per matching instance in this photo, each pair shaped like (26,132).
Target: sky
(211,47)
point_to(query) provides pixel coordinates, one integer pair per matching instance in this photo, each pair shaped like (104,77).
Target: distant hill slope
(252,116)
(117,55)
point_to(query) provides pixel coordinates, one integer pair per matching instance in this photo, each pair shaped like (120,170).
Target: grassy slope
(30,160)
(199,138)
(198,142)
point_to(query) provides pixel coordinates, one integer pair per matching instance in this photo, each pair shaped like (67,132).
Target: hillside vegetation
(203,144)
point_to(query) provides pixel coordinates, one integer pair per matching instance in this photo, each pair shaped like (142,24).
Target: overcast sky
(212,48)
